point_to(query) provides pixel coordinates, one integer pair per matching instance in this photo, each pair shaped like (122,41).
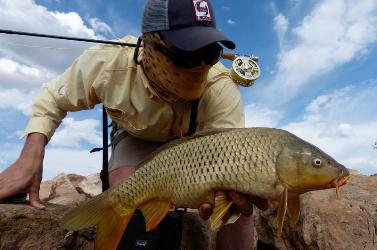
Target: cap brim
(196,37)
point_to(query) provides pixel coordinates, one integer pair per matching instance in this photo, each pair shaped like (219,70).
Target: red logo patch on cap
(201,9)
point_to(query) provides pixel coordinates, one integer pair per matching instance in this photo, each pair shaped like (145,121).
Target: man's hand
(25,175)
(243,202)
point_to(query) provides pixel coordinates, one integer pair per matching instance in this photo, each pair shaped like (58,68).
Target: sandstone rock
(63,192)
(91,185)
(75,179)
(354,172)
(45,191)
(327,222)
(23,227)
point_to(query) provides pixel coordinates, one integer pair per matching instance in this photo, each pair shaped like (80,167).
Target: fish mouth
(340,181)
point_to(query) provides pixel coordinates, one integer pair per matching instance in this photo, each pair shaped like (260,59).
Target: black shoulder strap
(105,168)
(193,117)
(105,153)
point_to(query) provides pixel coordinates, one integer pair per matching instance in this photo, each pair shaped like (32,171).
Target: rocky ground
(325,222)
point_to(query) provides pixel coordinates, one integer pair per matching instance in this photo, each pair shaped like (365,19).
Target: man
(148,93)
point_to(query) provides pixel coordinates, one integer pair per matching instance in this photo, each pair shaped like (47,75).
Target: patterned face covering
(170,81)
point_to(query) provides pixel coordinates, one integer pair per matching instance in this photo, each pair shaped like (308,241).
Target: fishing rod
(244,71)
(13,32)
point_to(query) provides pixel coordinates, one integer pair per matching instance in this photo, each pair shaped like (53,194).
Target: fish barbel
(269,163)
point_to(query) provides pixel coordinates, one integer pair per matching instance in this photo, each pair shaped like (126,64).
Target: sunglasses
(209,55)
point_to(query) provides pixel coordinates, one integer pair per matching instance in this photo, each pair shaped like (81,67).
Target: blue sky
(318,62)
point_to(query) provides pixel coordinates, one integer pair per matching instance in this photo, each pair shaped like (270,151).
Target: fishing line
(49,47)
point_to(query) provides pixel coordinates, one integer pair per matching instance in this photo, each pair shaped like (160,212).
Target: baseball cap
(188,24)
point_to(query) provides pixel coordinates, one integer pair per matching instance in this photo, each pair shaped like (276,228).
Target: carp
(272,164)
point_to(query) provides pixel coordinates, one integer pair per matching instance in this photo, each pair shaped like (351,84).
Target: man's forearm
(34,145)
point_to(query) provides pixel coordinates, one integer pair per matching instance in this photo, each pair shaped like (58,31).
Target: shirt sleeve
(71,91)
(221,105)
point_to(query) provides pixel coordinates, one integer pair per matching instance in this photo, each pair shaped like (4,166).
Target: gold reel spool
(245,69)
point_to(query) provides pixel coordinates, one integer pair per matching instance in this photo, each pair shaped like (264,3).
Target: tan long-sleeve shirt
(108,74)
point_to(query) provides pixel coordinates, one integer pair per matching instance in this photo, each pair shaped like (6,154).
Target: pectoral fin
(154,211)
(282,209)
(294,208)
(233,218)
(222,205)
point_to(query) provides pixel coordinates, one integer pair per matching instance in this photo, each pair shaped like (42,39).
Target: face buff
(171,82)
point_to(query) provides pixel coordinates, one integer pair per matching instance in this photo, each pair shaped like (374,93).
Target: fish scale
(268,163)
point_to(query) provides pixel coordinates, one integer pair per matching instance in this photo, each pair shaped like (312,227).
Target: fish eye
(317,162)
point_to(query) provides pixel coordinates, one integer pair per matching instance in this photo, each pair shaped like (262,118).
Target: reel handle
(229,55)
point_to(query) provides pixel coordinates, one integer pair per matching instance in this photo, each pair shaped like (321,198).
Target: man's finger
(260,203)
(242,202)
(34,198)
(205,211)
(220,192)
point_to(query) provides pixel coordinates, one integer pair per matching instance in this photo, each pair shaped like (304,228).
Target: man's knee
(118,175)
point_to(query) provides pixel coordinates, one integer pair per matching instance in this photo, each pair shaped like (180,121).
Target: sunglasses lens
(208,55)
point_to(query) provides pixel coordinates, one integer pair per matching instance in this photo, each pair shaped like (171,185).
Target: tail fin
(99,211)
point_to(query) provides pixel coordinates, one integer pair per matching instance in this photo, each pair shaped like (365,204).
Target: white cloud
(17,75)
(343,124)
(74,132)
(326,102)
(100,26)
(260,116)
(59,160)
(231,22)
(25,64)
(281,26)
(334,33)
(17,99)
(73,23)
(26,15)
(9,153)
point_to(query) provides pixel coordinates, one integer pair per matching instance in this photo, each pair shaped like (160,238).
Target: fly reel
(245,69)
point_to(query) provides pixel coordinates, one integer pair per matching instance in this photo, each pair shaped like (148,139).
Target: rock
(90,185)
(45,190)
(75,179)
(327,222)
(70,189)
(63,192)
(23,227)
(354,172)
